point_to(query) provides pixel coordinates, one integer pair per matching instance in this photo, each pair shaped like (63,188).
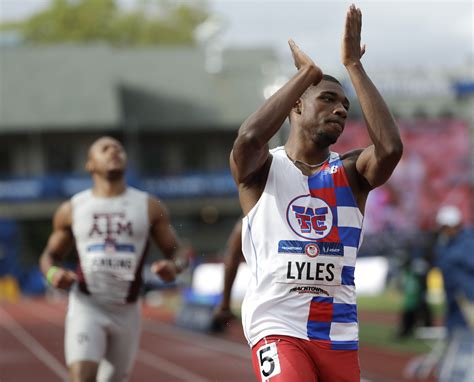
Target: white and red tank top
(111,237)
(300,241)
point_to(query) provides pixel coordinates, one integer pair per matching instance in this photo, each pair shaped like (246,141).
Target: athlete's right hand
(166,269)
(303,60)
(221,318)
(63,279)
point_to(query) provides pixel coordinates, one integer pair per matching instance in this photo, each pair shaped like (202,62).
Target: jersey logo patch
(309,217)
(109,225)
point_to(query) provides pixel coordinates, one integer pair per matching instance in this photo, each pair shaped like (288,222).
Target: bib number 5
(268,360)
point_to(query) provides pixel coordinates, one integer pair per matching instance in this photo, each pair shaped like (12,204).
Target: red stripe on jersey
(339,177)
(320,311)
(326,194)
(333,236)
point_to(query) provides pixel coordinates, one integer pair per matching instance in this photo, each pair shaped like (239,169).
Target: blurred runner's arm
(163,234)
(59,244)
(376,163)
(233,257)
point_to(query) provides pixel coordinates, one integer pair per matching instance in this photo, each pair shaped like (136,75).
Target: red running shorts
(290,359)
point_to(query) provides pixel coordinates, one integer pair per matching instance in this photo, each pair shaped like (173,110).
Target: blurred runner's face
(107,157)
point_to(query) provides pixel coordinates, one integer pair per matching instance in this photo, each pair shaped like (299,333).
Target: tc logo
(309,217)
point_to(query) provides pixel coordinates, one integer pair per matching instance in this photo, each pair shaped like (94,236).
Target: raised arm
(59,244)
(250,151)
(163,234)
(377,162)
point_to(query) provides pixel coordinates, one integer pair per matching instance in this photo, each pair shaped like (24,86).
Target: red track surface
(31,349)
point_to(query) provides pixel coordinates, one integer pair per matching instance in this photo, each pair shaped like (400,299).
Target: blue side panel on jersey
(344,197)
(344,313)
(329,300)
(344,345)
(334,215)
(318,181)
(348,275)
(349,236)
(318,330)
(125,248)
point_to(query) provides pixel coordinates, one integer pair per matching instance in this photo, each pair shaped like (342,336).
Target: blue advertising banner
(8,247)
(167,187)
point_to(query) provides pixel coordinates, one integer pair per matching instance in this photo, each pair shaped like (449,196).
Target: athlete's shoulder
(278,151)
(63,215)
(135,192)
(81,196)
(155,204)
(156,209)
(352,154)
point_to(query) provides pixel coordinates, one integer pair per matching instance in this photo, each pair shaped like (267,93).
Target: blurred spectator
(407,182)
(455,258)
(383,211)
(415,310)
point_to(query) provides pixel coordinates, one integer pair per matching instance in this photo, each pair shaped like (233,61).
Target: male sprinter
(110,225)
(303,207)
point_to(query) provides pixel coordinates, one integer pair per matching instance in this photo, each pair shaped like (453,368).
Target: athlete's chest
(121,219)
(312,205)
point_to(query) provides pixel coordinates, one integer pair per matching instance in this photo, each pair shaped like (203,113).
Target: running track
(31,349)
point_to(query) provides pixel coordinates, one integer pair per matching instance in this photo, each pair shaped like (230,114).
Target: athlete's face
(323,112)
(107,157)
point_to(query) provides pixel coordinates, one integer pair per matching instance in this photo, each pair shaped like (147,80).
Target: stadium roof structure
(93,87)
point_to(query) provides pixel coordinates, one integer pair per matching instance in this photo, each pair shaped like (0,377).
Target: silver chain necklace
(307,164)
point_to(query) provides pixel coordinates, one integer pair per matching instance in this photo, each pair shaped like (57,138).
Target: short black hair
(328,77)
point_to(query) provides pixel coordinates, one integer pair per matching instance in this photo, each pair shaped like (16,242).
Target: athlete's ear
(89,166)
(297,107)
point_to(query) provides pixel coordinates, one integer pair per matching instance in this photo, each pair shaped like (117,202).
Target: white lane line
(202,340)
(205,341)
(168,367)
(143,356)
(34,346)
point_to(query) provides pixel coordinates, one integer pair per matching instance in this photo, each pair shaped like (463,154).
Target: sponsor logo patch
(312,250)
(309,290)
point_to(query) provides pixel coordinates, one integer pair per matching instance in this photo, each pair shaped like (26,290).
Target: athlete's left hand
(166,269)
(351,51)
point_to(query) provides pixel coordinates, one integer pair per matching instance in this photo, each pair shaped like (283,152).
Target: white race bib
(268,361)
(119,265)
(308,263)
